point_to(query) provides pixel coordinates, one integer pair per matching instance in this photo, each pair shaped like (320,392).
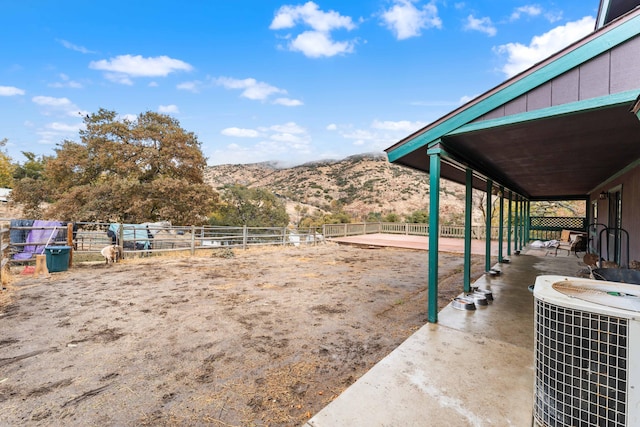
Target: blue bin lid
(57,248)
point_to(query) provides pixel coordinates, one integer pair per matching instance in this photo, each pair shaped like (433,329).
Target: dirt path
(267,337)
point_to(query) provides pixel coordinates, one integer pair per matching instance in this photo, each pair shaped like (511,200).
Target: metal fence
(19,244)
(25,242)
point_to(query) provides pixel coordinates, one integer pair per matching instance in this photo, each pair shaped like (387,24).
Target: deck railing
(541,228)
(355,229)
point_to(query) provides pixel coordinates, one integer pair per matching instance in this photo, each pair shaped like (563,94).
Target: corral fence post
(4,256)
(245,236)
(121,238)
(193,240)
(284,236)
(70,243)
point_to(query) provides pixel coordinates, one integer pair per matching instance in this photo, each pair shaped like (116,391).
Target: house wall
(614,71)
(630,182)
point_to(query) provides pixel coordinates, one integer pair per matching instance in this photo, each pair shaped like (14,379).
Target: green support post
(468,207)
(500,221)
(509,222)
(527,234)
(519,245)
(487,255)
(521,232)
(434,230)
(516,223)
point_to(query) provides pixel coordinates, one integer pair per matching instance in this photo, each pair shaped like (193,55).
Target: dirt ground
(266,337)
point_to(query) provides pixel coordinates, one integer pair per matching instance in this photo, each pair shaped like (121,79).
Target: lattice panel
(557,223)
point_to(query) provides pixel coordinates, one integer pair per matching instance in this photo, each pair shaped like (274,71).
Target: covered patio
(565,129)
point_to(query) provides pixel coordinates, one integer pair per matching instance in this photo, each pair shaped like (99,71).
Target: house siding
(625,62)
(630,183)
(612,72)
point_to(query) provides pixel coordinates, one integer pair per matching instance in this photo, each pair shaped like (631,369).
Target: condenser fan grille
(581,368)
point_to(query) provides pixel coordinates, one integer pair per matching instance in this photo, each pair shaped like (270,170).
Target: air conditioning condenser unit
(587,353)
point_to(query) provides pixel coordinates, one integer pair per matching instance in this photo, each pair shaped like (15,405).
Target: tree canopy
(253,207)
(6,167)
(147,169)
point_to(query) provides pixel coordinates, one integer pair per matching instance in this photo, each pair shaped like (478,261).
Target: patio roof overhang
(556,153)
(559,152)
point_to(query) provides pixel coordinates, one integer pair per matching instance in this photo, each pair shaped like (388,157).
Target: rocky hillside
(363,184)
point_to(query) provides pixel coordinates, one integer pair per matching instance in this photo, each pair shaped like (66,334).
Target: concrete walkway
(473,368)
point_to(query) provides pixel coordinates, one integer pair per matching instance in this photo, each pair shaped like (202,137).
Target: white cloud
(66,82)
(53,132)
(51,101)
(75,47)
(402,125)
(288,139)
(309,14)
(122,79)
(528,10)
(553,16)
(466,98)
(434,103)
(405,20)
(240,133)
(290,127)
(124,67)
(128,117)
(193,86)
(318,42)
(167,109)
(315,44)
(332,126)
(10,91)
(153,84)
(288,102)
(521,57)
(251,88)
(484,25)
(359,134)
(64,127)
(58,105)
(380,133)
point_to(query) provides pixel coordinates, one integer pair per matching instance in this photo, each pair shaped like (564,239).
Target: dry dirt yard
(267,337)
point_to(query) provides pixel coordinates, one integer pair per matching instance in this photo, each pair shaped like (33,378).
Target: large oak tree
(131,171)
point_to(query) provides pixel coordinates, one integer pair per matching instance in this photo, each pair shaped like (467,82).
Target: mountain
(363,184)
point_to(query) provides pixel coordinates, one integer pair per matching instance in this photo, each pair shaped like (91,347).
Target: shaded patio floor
(472,368)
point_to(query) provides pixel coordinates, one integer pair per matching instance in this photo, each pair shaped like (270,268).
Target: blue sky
(263,80)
